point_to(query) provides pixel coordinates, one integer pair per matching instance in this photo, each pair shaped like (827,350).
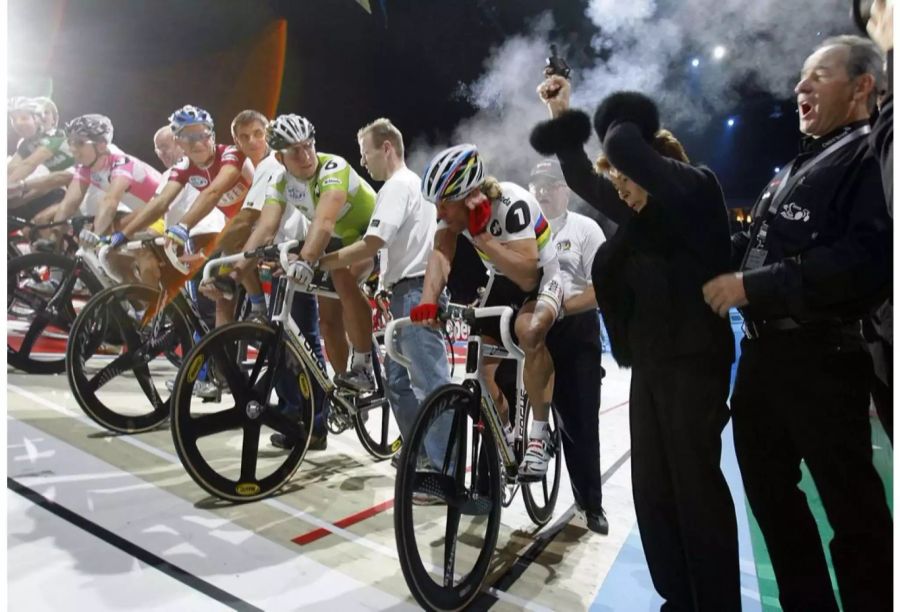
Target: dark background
(138,60)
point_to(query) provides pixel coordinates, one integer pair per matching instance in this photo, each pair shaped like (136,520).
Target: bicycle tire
(428,592)
(190,424)
(385,446)
(54,310)
(539,498)
(105,316)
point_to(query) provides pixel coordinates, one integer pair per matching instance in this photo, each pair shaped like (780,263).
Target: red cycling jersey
(186,172)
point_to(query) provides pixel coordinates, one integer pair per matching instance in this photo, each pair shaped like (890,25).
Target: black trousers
(807,397)
(684,509)
(882,353)
(574,345)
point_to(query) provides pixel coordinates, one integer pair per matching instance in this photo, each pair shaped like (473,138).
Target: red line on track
(321,532)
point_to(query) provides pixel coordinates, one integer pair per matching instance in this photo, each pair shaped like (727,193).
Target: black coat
(649,276)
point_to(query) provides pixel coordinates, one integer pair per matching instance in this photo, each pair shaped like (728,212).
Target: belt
(759,329)
(406,279)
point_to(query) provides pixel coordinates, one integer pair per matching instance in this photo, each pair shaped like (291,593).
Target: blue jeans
(429,370)
(305,312)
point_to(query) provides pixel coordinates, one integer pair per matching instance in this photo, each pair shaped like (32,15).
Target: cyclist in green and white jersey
(339,204)
(42,162)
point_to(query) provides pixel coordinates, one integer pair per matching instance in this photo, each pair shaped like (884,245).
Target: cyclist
(512,237)
(216,171)
(126,182)
(403,224)
(339,204)
(42,165)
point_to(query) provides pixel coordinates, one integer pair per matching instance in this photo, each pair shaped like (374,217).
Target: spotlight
(718,52)
(730,122)
(777,169)
(695,62)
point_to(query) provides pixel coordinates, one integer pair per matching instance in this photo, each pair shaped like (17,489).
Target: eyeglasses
(194,136)
(78,142)
(545,186)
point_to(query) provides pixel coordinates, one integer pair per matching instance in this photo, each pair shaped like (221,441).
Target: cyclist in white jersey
(513,239)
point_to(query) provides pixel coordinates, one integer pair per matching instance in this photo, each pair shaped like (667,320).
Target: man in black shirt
(815,262)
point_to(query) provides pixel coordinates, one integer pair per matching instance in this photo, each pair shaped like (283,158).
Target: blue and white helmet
(189,115)
(453,174)
(93,127)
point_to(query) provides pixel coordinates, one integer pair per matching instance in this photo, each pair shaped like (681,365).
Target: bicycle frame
(473,379)
(287,330)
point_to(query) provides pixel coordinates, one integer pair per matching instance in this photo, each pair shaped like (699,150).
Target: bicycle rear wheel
(42,300)
(375,425)
(116,348)
(447,501)
(540,495)
(224,444)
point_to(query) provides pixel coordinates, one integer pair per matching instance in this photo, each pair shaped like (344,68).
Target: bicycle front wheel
(264,389)
(448,499)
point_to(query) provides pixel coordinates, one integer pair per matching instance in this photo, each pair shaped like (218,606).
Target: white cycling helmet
(288,130)
(453,174)
(23,103)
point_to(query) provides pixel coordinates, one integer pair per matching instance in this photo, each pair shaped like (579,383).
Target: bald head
(165,146)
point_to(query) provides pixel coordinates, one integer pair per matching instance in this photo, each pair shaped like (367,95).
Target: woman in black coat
(673,236)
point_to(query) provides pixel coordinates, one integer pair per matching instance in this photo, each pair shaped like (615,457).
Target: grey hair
(865,58)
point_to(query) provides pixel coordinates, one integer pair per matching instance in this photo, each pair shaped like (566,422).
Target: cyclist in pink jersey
(127,182)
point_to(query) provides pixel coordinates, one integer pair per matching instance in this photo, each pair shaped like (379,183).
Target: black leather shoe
(318,443)
(596,522)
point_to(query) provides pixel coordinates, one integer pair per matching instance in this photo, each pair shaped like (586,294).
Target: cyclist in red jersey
(216,171)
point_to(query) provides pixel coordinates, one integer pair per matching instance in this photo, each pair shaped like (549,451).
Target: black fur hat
(571,129)
(627,106)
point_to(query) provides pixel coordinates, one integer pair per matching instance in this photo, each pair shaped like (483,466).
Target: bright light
(695,62)
(730,122)
(718,52)
(777,169)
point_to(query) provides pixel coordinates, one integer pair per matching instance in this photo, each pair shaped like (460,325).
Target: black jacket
(648,277)
(882,138)
(829,244)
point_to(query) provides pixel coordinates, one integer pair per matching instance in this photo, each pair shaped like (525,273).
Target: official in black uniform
(673,236)
(574,341)
(815,261)
(879,328)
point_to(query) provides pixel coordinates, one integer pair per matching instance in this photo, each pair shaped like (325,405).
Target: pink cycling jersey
(142,178)
(186,172)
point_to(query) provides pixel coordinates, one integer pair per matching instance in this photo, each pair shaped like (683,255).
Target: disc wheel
(43,298)
(448,499)
(117,349)
(224,444)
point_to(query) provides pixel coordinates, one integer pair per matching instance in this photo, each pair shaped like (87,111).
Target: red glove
(423,312)
(479,217)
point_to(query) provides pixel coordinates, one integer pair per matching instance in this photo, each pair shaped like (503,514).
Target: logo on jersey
(121,161)
(495,228)
(296,193)
(375,222)
(564,245)
(792,212)
(198,182)
(331,181)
